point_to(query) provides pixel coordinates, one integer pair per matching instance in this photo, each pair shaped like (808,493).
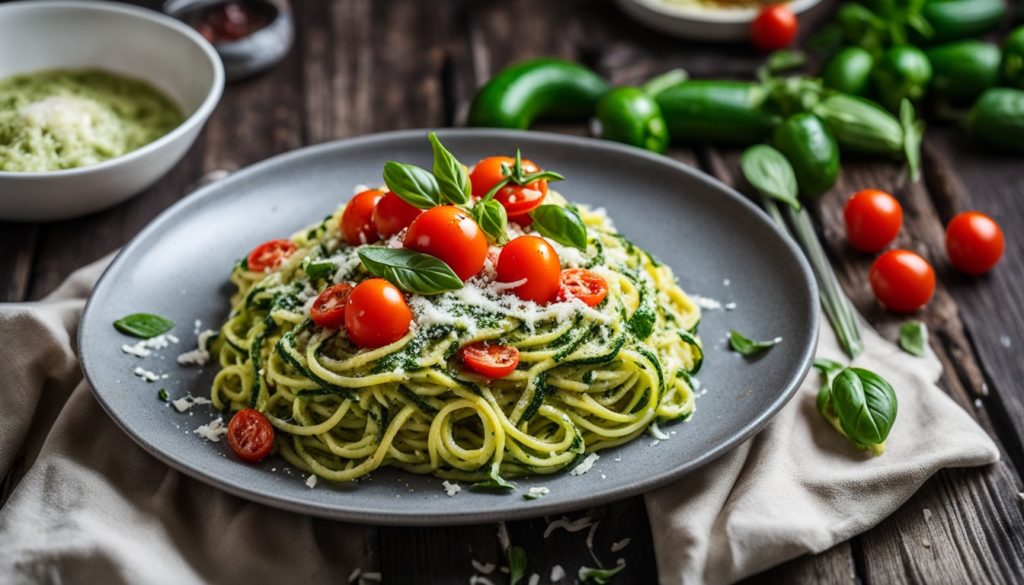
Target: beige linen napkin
(799,487)
(95,508)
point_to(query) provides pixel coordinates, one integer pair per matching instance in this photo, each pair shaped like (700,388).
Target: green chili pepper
(1013,59)
(861,126)
(631,116)
(849,71)
(719,112)
(952,20)
(540,88)
(902,72)
(997,119)
(963,70)
(811,149)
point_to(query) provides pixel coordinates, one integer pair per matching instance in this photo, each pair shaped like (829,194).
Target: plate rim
(384,516)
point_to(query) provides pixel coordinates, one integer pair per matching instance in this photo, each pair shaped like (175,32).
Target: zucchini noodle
(588,378)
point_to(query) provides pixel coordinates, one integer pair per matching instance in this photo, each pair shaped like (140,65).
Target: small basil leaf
(771,174)
(452,178)
(163,395)
(143,325)
(748,347)
(496,482)
(490,215)
(913,133)
(598,576)
(865,405)
(561,224)
(784,60)
(410,270)
(914,338)
(317,269)
(414,185)
(516,564)
(827,366)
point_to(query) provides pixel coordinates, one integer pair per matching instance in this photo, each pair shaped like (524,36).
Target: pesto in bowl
(65,119)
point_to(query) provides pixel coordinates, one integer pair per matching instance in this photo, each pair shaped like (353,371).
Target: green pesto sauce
(64,119)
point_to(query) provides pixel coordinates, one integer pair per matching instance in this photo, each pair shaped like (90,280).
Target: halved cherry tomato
(585,285)
(328,309)
(450,234)
(902,280)
(269,255)
(392,215)
(774,28)
(521,220)
(974,242)
(357,219)
(250,435)
(533,259)
(492,361)
(517,199)
(376,314)
(873,218)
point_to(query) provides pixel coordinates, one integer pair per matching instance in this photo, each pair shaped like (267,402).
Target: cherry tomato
(392,215)
(533,259)
(250,435)
(376,314)
(774,28)
(974,242)
(357,219)
(517,199)
(492,361)
(450,234)
(269,255)
(523,221)
(584,285)
(873,218)
(902,280)
(328,309)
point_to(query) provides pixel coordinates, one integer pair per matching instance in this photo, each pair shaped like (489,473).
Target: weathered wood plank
(834,566)
(18,243)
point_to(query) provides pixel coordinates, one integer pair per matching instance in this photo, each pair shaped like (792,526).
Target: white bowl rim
(201,113)
(706,14)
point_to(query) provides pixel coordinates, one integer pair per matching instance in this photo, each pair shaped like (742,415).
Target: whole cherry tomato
(774,28)
(357,219)
(584,285)
(328,309)
(376,314)
(531,259)
(450,234)
(902,280)
(250,435)
(873,218)
(492,361)
(393,215)
(269,255)
(974,242)
(517,199)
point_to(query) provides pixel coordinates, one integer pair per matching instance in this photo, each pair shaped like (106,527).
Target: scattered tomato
(450,234)
(250,435)
(357,219)
(376,314)
(392,215)
(974,242)
(533,259)
(902,280)
(873,218)
(328,309)
(774,28)
(585,285)
(269,255)
(492,361)
(517,199)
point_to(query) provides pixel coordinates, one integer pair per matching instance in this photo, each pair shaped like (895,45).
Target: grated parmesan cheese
(451,488)
(485,568)
(568,525)
(146,375)
(311,483)
(557,573)
(201,355)
(186,402)
(537,492)
(213,430)
(585,465)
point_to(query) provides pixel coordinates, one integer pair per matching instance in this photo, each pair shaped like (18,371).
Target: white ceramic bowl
(132,41)
(699,23)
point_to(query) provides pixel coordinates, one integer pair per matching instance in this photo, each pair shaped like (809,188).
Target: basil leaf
(516,564)
(784,60)
(598,576)
(914,338)
(865,405)
(561,224)
(496,482)
(317,269)
(414,185)
(490,215)
(410,270)
(143,325)
(748,347)
(827,366)
(913,134)
(163,395)
(771,174)
(452,177)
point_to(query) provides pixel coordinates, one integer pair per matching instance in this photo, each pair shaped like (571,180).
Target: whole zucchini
(953,20)
(997,119)
(861,126)
(963,70)
(715,112)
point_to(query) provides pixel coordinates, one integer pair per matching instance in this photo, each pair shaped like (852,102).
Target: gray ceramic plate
(720,246)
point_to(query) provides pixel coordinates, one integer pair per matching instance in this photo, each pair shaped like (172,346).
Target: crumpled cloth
(93,507)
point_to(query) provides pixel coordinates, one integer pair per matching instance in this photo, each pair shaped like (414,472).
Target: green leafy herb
(598,576)
(748,347)
(162,394)
(516,176)
(859,404)
(452,177)
(516,564)
(784,60)
(495,482)
(414,185)
(561,224)
(316,269)
(913,132)
(409,270)
(771,174)
(492,219)
(914,338)
(144,325)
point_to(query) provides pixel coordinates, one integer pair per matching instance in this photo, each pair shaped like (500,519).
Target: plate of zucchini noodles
(453,327)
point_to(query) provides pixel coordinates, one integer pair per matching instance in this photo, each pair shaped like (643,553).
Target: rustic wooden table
(362,66)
